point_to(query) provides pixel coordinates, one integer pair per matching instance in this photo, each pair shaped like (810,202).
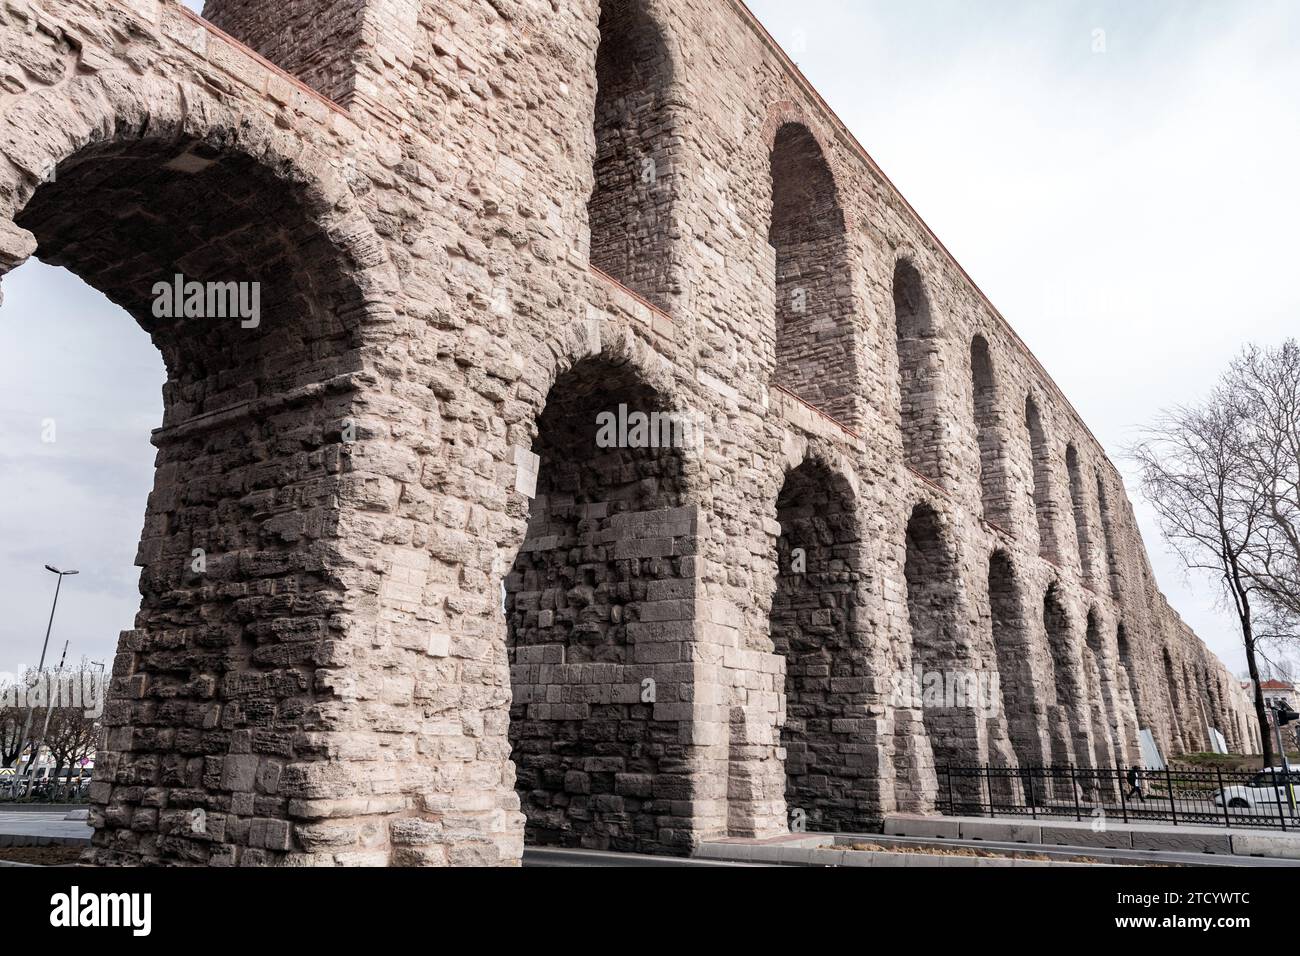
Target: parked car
(1261,791)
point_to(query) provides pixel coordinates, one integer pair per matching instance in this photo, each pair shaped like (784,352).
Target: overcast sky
(1130,211)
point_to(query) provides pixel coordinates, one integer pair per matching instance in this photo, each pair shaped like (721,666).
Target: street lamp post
(1283,715)
(49,697)
(27,726)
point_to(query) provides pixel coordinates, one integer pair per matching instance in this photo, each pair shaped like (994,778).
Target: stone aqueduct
(460,270)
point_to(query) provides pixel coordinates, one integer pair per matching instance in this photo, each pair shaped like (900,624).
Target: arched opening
(1223,715)
(813,625)
(1176,723)
(631,211)
(599,609)
(1128,674)
(1108,532)
(1013,644)
(1101,703)
(1079,504)
(228,263)
(1214,703)
(993,489)
(815,347)
(1067,725)
(1233,728)
(942,658)
(918,374)
(1200,734)
(1043,506)
(81,388)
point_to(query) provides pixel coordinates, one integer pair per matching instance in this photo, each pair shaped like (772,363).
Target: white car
(1262,790)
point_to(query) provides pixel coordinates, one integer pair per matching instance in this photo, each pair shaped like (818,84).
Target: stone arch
(1200,735)
(1042,501)
(984,393)
(942,657)
(1067,722)
(820,454)
(783,113)
(1079,505)
(1108,534)
(1107,743)
(103,112)
(1213,702)
(128,184)
(1229,710)
(819,594)
(634,197)
(816,338)
(918,372)
(599,610)
(1128,672)
(1013,645)
(1173,696)
(1221,711)
(588,339)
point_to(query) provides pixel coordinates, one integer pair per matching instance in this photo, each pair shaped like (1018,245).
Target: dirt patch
(41,855)
(962,851)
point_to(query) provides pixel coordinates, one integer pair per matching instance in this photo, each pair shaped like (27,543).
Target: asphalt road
(42,824)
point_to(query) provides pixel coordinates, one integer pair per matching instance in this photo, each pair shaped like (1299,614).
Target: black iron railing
(1176,795)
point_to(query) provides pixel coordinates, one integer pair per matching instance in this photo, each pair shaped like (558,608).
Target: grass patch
(967,851)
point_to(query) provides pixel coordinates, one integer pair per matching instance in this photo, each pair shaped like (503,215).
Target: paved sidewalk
(33,828)
(1107,834)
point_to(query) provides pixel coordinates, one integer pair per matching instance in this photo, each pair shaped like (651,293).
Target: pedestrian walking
(1135,784)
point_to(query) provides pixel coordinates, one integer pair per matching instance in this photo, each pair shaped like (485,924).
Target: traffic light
(1285,715)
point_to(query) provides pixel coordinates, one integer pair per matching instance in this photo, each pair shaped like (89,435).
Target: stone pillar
(346,50)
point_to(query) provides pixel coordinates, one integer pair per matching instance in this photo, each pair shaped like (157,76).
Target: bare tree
(71,738)
(11,724)
(19,711)
(1264,384)
(1195,475)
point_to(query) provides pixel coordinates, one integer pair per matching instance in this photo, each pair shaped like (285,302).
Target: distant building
(1278,691)
(1275,692)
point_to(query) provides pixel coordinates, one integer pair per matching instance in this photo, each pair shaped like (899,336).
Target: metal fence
(41,790)
(1176,796)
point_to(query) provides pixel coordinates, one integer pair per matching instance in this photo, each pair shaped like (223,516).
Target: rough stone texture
(335,686)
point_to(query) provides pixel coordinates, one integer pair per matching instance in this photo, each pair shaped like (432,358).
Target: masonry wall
(314,41)
(453,194)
